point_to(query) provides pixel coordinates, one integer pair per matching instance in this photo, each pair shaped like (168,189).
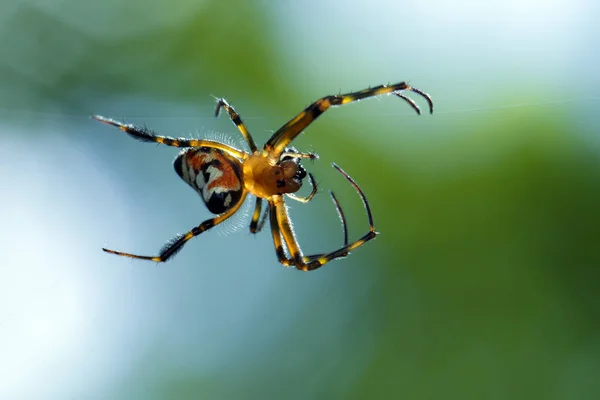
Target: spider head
(290,173)
(264,178)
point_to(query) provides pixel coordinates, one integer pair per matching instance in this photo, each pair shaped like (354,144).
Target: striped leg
(281,227)
(288,132)
(146,135)
(258,222)
(175,244)
(279,215)
(235,118)
(344,229)
(277,240)
(316,261)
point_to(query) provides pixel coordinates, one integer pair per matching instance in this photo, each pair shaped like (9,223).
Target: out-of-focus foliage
(56,61)
(482,284)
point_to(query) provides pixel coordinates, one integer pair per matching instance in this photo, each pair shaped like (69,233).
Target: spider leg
(262,221)
(308,198)
(288,132)
(281,227)
(333,198)
(318,260)
(258,222)
(146,135)
(237,120)
(341,215)
(256,215)
(311,156)
(311,262)
(344,228)
(410,102)
(175,244)
(277,239)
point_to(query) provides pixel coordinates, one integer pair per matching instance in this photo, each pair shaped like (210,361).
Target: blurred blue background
(482,284)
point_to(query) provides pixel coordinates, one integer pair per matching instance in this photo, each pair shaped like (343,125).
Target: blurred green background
(482,284)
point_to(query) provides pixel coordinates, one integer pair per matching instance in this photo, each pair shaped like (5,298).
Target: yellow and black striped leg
(144,134)
(308,198)
(318,260)
(263,219)
(277,240)
(258,221)
(175,244)
(280,218)
(284,135)
(282,228)
(342,217)
(237,120)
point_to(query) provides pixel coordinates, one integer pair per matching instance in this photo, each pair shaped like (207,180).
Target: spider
(224,176)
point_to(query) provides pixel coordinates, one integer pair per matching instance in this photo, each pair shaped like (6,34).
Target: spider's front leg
(144,134)
(288,132)
(281,229)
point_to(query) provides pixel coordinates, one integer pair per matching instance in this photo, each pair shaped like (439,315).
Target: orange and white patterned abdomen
(215,175)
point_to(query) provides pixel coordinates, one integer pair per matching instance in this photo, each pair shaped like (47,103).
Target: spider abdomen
(215,175)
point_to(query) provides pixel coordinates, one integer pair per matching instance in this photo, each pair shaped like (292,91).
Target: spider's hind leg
(176,244)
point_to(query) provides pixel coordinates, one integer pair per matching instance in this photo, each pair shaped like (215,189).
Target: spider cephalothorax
(224,176)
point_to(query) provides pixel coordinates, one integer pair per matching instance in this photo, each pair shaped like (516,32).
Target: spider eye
(301,173)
